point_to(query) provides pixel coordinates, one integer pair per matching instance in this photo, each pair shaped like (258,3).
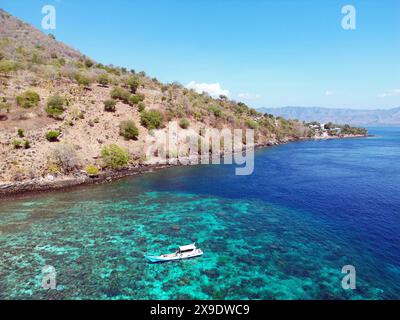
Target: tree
(61,62)
(241,108)
(120,94)
(55,106)
(92,171)
(134,99)
(133,83)
(17,144)
(151,119)
(109,105)
(216,110)
(52,136)
(82,79)
(36,58)
(7,66)
(28,99)
(4,105)
(329,126)
(128,130)
(103,79)
(253,112)
(251,124)
(184,123)
(88,63)
(114,156)
(141,106)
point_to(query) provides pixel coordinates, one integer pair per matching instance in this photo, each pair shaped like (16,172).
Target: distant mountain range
(388,117)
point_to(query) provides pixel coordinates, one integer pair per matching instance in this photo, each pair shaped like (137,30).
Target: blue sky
(265,53)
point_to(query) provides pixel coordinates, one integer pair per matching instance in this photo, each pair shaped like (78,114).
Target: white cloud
(329,93)
(249,96)
(390,93)
(213,89)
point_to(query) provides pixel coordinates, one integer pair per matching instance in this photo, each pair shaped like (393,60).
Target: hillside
(349,116)
(63,114)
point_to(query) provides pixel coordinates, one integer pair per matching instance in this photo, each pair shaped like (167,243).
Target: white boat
(183,252)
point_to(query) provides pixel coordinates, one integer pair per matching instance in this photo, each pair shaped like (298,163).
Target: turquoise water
(283,233)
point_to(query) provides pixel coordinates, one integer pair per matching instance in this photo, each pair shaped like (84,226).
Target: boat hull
(159,259)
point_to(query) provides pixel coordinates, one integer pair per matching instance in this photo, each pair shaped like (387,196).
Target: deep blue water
(284,232)
(351,186)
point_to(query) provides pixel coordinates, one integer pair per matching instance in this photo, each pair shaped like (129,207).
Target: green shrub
(128,130)
(216,111)
(52,136)
(240,108)
(251,124)
(77,114)
(61,61)
(36,58)
(109,105)
(103,79)
(53,168)
(120,94)
(17,143)
(88,63)
(92,171)
(347,129)
(111,70)
(150,119)
(141,106)
(82,79)
(198,116)
(5,105)
(55,106)
(28,99)
(27,144)
(7,66)
(21,133)
(114,156)
(184,123)
(254,112)
(134,99)
(133,83)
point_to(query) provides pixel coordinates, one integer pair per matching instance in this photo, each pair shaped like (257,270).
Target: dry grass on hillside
(34,64)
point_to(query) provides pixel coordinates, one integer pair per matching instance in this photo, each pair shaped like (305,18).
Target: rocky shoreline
(50,183)
(41,185)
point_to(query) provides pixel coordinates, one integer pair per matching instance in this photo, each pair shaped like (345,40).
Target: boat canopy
(188,247)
